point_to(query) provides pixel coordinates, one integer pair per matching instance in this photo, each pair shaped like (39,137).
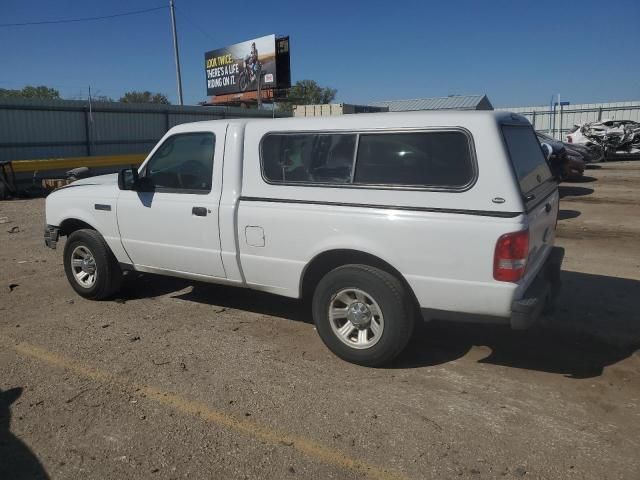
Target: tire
(389,309)
(107,276)
(243,82)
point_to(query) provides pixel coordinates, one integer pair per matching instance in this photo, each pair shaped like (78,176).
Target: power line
(85,19)
(188,19)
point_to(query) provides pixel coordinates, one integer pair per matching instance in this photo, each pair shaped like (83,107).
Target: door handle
(199,211)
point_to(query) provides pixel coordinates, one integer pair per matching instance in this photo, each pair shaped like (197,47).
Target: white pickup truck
(380,219)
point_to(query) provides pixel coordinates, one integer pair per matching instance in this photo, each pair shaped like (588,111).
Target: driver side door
(172,225)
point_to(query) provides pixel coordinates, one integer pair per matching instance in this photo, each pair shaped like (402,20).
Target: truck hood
(108,179)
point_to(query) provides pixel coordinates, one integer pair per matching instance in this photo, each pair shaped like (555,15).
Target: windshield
(526,156)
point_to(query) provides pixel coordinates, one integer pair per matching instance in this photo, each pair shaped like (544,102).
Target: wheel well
(327,261)
(70,225)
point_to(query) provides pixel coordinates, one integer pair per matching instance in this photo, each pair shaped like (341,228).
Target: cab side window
(183,163)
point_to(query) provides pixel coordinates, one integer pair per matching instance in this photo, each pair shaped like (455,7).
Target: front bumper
(541,295)
(51,235)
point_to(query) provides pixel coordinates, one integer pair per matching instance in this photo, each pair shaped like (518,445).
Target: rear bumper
(541,295)
(537,299)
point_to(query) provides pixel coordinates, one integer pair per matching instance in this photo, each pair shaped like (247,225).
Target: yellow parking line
(308,447)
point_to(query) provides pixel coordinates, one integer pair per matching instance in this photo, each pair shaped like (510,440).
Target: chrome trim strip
(482,213)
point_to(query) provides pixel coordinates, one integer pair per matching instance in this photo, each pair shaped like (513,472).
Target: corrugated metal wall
(557,124)
(33,129)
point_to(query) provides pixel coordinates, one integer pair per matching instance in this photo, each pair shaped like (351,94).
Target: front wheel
(243,81)
(91,268)
(363,314)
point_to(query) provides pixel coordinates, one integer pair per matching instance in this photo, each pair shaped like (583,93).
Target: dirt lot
(181,380)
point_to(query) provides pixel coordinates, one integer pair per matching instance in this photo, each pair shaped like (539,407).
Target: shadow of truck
(597,323)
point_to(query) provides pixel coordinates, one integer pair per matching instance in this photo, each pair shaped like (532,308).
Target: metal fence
(557,122)
(33,129)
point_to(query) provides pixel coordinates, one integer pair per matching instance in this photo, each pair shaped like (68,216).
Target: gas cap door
(254,236)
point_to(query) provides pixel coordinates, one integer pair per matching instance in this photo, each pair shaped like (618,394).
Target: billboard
(237,68)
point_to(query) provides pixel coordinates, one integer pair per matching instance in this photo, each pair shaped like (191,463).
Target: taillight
(510,259)
(569,139)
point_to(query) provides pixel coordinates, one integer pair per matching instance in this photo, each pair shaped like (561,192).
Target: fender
(97,210)
(343,248)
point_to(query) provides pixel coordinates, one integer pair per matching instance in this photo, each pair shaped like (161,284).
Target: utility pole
(88,125)
(560,126)
(175,49)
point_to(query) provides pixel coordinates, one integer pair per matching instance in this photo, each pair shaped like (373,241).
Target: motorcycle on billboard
(248,76)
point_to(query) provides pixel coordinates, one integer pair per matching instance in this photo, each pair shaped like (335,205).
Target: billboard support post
(175,50)
(259,92)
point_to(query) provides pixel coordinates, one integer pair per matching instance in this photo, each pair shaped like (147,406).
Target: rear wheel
(91,268)
(363,314)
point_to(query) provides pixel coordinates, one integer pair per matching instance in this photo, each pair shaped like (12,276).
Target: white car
(380,218)
(612,139)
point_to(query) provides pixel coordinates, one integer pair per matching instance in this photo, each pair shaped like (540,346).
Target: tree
(307,92)
(144,97)
(31,92)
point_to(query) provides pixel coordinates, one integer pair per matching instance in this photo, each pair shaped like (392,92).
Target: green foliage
(307,92)
(31,92)
(144,97)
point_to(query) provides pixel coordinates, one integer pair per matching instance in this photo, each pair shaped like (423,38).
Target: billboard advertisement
(237,68)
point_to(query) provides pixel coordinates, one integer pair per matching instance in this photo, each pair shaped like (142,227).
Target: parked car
(587,153)
(619,139)
(565,164)
(379,219)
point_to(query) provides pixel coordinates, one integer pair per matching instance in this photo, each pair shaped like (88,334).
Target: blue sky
(517,52)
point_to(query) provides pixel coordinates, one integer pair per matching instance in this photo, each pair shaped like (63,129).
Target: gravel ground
(175,379)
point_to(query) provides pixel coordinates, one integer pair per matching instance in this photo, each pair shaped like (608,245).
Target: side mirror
(548,150)
(144,184)
(128,178)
